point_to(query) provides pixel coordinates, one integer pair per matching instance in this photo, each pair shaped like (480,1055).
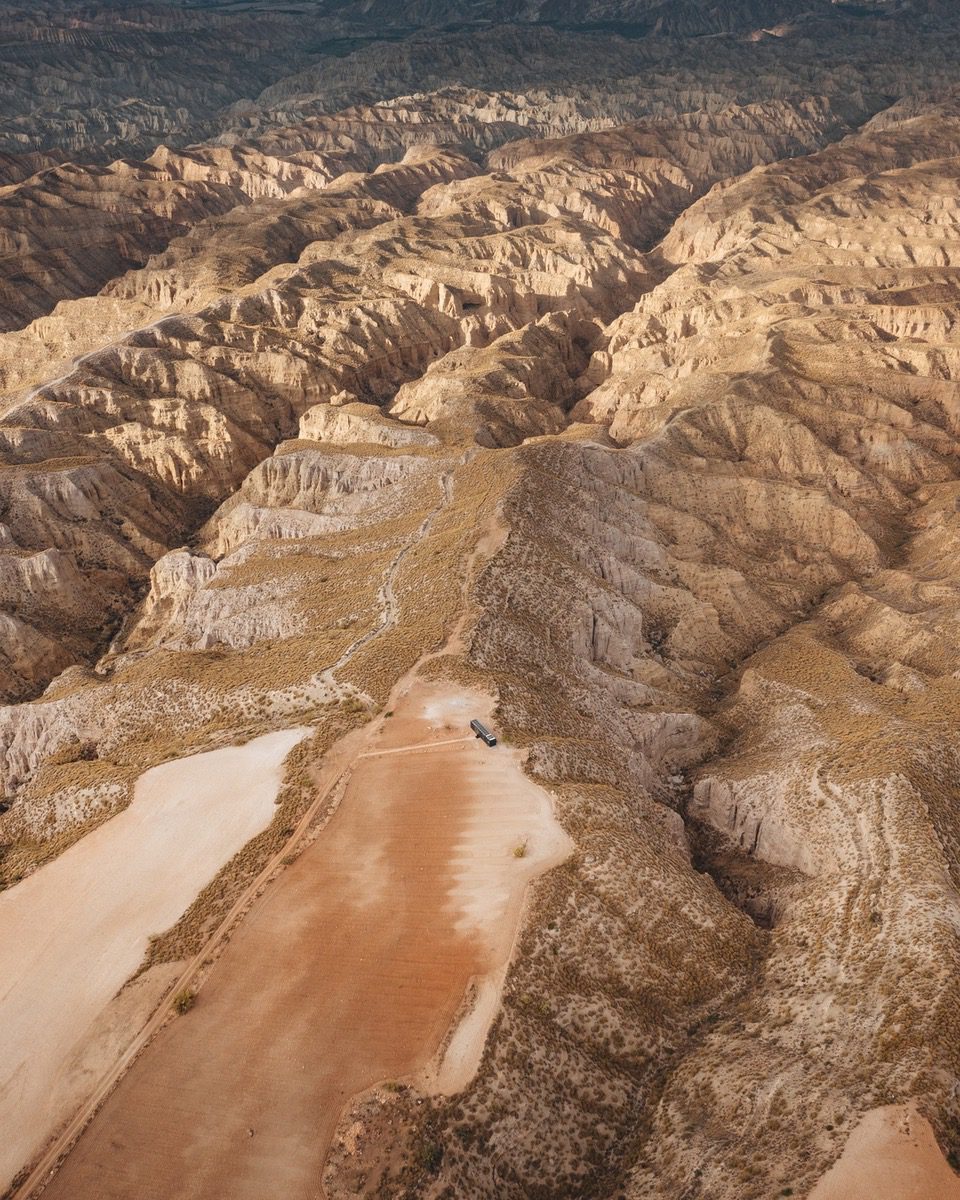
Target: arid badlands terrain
(584,368)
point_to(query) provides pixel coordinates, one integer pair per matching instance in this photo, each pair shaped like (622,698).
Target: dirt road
(348,971)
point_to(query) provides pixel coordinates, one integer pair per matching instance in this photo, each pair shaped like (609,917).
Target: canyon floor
(587,369)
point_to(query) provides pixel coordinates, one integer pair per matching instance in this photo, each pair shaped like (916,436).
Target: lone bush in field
(184,1000)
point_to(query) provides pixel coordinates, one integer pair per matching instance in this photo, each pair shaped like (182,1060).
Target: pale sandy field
(75,931)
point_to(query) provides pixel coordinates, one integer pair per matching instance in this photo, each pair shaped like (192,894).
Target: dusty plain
(354,966)
(78,929)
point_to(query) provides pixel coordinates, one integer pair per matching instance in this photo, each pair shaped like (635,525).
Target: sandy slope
(76,930)
(350,971)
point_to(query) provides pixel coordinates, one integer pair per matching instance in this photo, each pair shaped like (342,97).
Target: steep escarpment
(118,80)
(859,814)
(183,410)
(70,229)
(353,109)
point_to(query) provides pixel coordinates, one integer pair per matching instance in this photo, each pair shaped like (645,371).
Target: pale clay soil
(75,931)
(891,1155)
(350,970)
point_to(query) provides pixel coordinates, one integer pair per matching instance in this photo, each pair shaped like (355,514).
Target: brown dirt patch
(891,1155)
(349,971)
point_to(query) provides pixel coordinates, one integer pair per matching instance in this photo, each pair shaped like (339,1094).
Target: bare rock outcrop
(352,422)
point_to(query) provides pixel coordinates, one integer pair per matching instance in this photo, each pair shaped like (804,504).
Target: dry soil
(349,971)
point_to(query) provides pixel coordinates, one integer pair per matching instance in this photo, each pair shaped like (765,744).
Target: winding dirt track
(348,971)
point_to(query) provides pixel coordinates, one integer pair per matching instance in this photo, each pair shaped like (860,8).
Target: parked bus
(482,731)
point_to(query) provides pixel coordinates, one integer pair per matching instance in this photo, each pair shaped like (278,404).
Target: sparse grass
(429,580)
(28,848)
(429,1156)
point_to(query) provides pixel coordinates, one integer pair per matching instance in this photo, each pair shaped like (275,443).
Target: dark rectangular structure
(482,731)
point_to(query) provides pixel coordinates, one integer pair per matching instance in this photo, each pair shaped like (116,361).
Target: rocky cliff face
(687,340)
